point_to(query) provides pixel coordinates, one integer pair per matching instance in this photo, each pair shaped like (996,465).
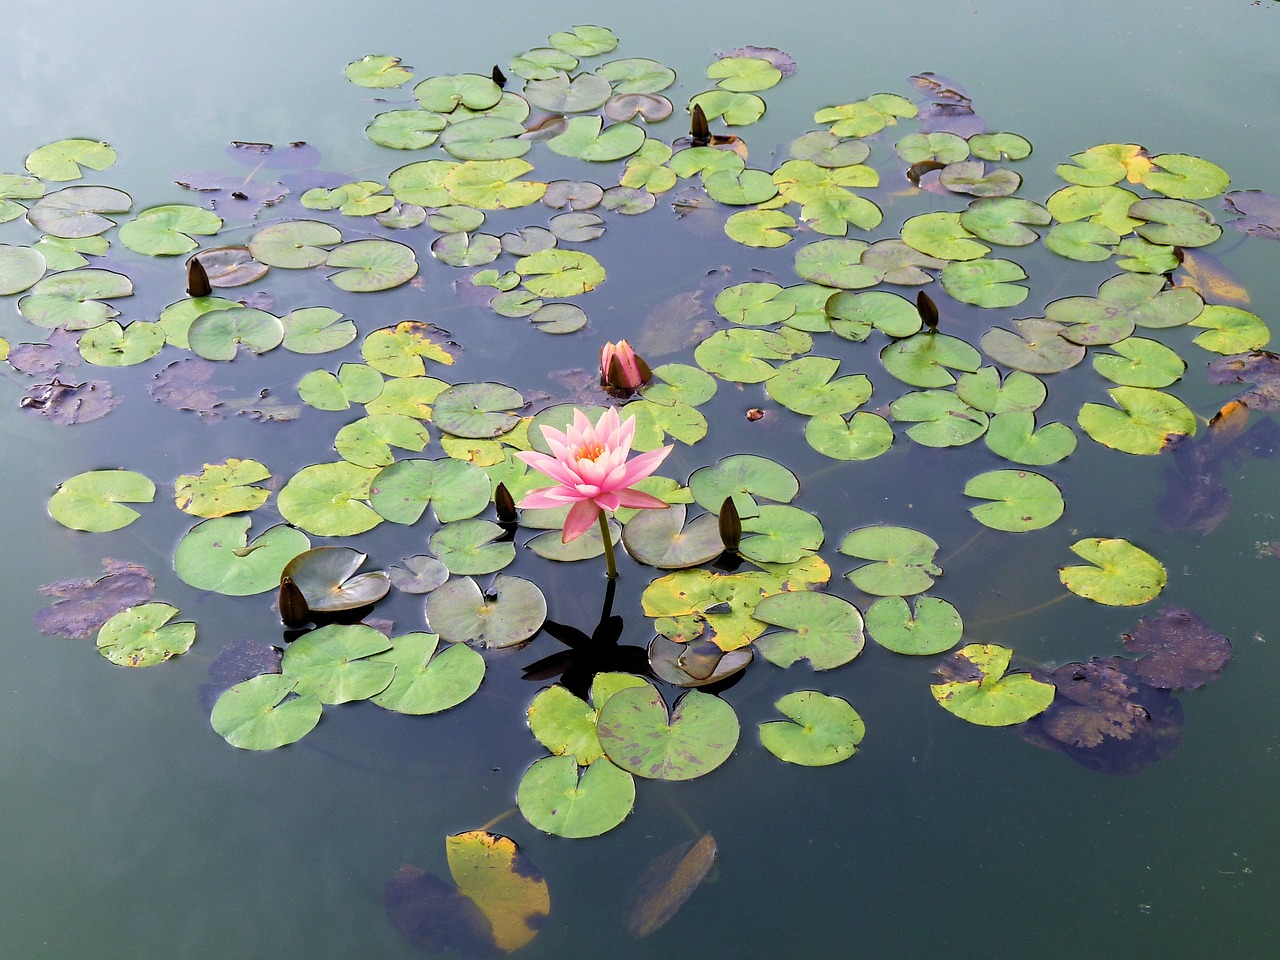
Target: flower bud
(621,370)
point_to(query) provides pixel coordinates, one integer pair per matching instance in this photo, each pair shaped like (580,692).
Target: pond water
(135,830)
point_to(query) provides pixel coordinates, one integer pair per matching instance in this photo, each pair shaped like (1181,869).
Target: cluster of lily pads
(721,597)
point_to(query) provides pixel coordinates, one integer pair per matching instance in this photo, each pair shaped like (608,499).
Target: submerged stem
(1022,613)
(611,566)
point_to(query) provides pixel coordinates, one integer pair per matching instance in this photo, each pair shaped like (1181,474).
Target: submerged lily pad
(821,730)
(1180,651)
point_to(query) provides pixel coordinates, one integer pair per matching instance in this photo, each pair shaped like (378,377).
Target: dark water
(133,830)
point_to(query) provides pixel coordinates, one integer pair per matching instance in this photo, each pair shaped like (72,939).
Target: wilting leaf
(1181,651)
(977,688)
(68,403)
(667,883)
(1121,574)
(505,884)
(1259,213)
(222,488)
(822,730)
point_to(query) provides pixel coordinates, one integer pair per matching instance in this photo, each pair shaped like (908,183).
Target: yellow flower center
(589,451)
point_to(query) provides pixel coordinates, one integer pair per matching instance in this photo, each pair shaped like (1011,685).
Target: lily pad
(222,488)
(406,129)
(511,612)
(327,578)
(425,681)
(95,501)
(166,231)
(555,799)
(368,265)
(744,74)
(583,138)
(564,94)
(216,555)
(985,283)
(63,159)
(378,72)
(1138,362)
(942,235)
(854,315)
(77,212)
(446,93)
(327,499)
(74,299)
(1179,223)
(1231,330)
(805,386)
(456,490)
(111,345)
(1184,177)
(939,418)
(294,244)
(733,109)
(1120,575)
(265,712)
(662,539)
(1003,220)
(230,266)
(934,626)
(142,636)
(1020,500)
(637,75)
(1037,347)
(927,359)
(638,736)
(864,436)
(218,334)
(1013,435)
(823,629)
(354,383)
(742,477)
(1146,421)
(822,730)
(336,663)
(314,330)
(977,688)
(477,410)
(901,560)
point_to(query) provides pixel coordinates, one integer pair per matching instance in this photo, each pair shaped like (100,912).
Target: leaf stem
(611,566)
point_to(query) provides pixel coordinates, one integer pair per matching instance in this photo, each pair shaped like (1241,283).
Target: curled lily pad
(509,613)
(823,629)
(558,799)
(327,578)
(1020,500)
(217,555)
(1119,574)
(697,663)
(95,501)
(637,734)
(934,626)
(821,730)
(336,663)
(977,688)
(901,560)
(142,636)
(264,712)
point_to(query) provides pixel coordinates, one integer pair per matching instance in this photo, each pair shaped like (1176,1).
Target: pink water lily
(591,471)
(622,370)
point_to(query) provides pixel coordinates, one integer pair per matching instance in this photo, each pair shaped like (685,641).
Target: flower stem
(611,566)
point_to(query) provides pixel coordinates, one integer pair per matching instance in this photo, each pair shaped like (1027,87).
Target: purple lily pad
(87,604)
(1182,652)
(235,663)
(184,385)
(68,403)
(1259,213)
(46,359)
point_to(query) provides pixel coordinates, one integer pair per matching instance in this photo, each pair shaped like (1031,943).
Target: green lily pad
(406,129)
(553,797)
(826,149)
(733,109)
(565,725)
(999,146)
(837,263)
(77,212)
(326,499)
(984,390)
(418,574)
(423,182)
(446,93)
(637,735)
(1013,435)
(780,534)
(367,442)
(822,730)
(939,418)
(508,614)
(74,299)
(741,188)
(564,94)
(753,304)
(1020,500)
(69,253)
(335,663)
(218,334)
(971,177)
(584,40)
(743,356)
(363,198)
(1146,421)
(222,488)
(542,63)
(264,712)
(943,147)
(327,578)
(142,636)
(111,345)
(1002,220)
(805,386)
(94,501)
(901,560)
(1107,205)
(551,545)
(378,72)
(294,244)
(988,695)
(823,629)
(1082,240)
(865,117)
(460,249)
(1037,347)
(216,555)
(583,138)
(864,436)
(637,75)
(166,231)
(20,267)
(1138,362)
(942,235)
(743,74)
(456,490)
(934,626)
(477,410)
(854,315)
(1179,223)
(661,538)
(368,265)
(927,359)
(63,159)
(1105,164)
(314,330)
(1184,177)
(985,283)
(402,350)
(484,138)
(1123,302)
(425,681)
(760,228)
(742,477)
(1231,330)
(1119,574)
(471,548)
(354,383)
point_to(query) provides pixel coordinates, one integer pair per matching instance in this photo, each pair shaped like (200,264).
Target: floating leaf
(554,799)
(222,488)
(1106,164)
(942,235)
(985,283)
(316,330)
(927,359)
(939,418)
(447,93)
(1108,206)
(335,663)
(637,75)
(406,129)
(63,159)
(1176,222)
(111,345)
(77,212)
(734,109)
(1013,435)
(971,177)
(378,72)
(565,725)
(660,538)
(638,736)
(509,613)
(864,436)
(477,410)
(1185,178)
(216,555)
(326,577)
(1020,500)
(218,334)
(901,560)
(294,244)
(354,383)
(1121,574)
(420,574)
(743,477)
(822,730)
(1037,347)
(142,636)
(426,681)
(73,299)
(1082,240)
(985,390)
(1231,330)
(1144,424)
(369,265)
(94,501)
(584,40)
(743,355)
(1137,362)
(854,315)
(228,266)
(1002,220)
(1180,651)
(760,228)
(583,138)
(805,386)
(326,499)
(165,231)
(263,713)
(564,94)
(825,630)
(933,627)
(367,442)
(455,490)
(978,689)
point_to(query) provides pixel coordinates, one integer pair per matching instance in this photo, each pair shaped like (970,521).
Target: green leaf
(971,177)
(1119,574)
(734,109)
(1020,500)
(743,355)
(426,681)
(20,267)
(559,273)
(111,345)
(218,334)
(367,442)
(943,147)
(368,265)
(334,663)
(1147,420)
(637,735)
(985,283)
(1037,347)
(1137,362)
(477,410)
(742,477)
(743,74)
(63,159)
(854,315)
(1178,223)
(1013,435)
(541,63)
(222,488)
(1082,240)
(584,40)
(216,555)
(994,698)
(76,212)
(471,548)
(73,299)
(865,436)
(508,614)
(940,418)
(583,138)
(378,72)
(1231,330)
(294,244)
(326,499)
(94,501)
(984,390)
(447,93)
(1185,178)
(314,330)
(423,182)
(837,263)
(484,138)
(999,146)
(942,235)
(660,538)
(166,231)
(565,724)
(553,798)
(564,94)
(934,625)
(456,490)
(823,629)
(354,383)
(637,75)
(263,713)
(760,228)
(1001,220)
(805,386)
(1106,205)
(406,129)
(822,730)
(901,560)
(142,636)
(927,359)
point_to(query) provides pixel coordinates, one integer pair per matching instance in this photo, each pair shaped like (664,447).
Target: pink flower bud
(621,370)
